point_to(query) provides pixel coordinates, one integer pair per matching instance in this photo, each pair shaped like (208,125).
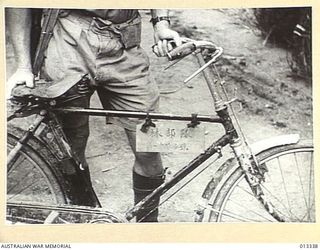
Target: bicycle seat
(48,89)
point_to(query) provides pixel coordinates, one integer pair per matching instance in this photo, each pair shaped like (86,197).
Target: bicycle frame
(210,151)
(222,117)
(194,164)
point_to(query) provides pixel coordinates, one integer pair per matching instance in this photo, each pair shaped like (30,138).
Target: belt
(87,17)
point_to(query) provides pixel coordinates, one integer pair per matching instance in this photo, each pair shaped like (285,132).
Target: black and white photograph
(159,115)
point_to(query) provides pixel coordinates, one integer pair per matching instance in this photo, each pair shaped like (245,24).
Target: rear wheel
(288,185)
(32,176)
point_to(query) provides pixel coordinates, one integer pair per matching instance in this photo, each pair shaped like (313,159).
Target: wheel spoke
(311,173)
(17,162)
(251,194)
(26,188)
(284,183)
(301,184)
(307,214)
(23,178)
(250,210)
(231,215)
(278,200)
(37,176)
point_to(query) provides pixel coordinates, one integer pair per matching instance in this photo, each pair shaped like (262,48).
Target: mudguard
(281,140)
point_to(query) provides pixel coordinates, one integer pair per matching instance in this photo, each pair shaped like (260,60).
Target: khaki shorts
(120,76)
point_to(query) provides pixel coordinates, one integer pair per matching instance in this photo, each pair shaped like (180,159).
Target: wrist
(24,65)
(160,19)
(161,25)
(24,68)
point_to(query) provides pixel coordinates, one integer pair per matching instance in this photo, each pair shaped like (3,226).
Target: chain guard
(24,213)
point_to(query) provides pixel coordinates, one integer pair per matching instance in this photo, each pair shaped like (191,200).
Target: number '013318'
(308,245)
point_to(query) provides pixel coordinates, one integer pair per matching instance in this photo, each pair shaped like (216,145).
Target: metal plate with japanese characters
(171,136)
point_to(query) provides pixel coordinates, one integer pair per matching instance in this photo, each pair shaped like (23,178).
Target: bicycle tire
(33,175)
(228,197)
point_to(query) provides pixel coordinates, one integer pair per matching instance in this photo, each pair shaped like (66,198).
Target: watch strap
(157,19)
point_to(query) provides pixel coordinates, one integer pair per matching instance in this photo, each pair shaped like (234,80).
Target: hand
(21,76)
(162,33)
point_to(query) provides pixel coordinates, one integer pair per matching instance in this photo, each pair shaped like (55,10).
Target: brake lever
(174,63)
(215,56)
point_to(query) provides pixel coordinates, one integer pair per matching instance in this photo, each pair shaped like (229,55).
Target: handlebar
(189,46)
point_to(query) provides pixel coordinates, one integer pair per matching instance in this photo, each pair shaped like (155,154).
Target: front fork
(254,177)
(253,173)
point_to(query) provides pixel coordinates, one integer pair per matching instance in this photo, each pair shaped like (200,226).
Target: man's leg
(64,56)
(76,129)
(124,83)
(147,176)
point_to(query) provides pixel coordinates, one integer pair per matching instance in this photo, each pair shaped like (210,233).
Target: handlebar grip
(181,51)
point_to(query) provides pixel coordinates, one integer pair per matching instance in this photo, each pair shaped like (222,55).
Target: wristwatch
(154,20)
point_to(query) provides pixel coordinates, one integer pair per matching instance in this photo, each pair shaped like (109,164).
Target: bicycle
(254,176)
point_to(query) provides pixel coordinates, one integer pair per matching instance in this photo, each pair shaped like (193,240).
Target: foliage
(279,26)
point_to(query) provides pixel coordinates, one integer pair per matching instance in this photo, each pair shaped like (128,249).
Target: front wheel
(288,185)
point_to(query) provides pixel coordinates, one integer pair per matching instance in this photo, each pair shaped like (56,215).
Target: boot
(143,186)
(81,192)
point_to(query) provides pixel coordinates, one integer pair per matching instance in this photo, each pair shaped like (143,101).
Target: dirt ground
(272,102)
